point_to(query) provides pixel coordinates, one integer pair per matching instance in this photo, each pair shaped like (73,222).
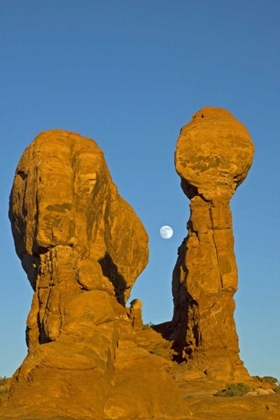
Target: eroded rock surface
(82,247)
(213,156)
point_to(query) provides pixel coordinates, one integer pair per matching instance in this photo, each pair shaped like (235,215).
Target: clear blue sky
(130,74)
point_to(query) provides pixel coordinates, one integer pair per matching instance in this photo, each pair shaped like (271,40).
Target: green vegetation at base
(233,390)
(146,326)
(2,393)
(277,389)
(3,390)
(3,380)
(155,350)
(270,380)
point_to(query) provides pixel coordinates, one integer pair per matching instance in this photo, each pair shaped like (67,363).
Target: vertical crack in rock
(213,156)
(215,245)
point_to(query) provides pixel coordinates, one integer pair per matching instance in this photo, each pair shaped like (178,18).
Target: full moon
(166,232)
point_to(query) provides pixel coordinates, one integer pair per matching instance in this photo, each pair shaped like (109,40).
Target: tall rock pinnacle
(77,239)
(82,247)
(213,156)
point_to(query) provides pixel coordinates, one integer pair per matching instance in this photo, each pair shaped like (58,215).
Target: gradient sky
(130,74)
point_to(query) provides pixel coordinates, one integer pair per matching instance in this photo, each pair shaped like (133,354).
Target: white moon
(166,232)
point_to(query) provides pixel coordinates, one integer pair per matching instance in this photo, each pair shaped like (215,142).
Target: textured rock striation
(213,156)
(82,247)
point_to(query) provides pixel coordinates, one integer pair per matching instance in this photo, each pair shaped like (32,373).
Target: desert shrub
(156,351)
(3,389)
(3,380)
(161,351)
(277,389)
(146,326)
(270,379)
(233,390)
(2,393)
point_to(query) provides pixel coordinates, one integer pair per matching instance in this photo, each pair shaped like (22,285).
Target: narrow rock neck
(204,281)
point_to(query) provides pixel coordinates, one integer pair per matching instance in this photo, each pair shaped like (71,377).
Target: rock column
(213,156)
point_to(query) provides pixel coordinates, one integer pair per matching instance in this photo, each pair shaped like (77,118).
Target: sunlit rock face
(78,240)
(82,247)
(213,156)
(63,197)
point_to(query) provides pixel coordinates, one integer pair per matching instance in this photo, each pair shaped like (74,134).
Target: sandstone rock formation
(213,156)
(135,314)
(82,247)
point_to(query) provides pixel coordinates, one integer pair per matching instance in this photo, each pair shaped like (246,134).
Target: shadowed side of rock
(213,156)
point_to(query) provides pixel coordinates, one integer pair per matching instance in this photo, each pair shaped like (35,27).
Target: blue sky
(130,74)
